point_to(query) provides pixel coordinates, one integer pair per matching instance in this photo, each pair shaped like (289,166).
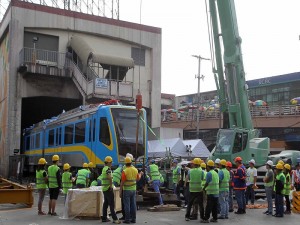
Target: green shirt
(52,171)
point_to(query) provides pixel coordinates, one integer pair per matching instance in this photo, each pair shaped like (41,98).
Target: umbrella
(192,106)
(183,108)
(259,103)
(171,110)
(295,101)
(202,108)
(213,107)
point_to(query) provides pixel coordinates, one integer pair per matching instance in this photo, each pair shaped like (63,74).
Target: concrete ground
(19,215)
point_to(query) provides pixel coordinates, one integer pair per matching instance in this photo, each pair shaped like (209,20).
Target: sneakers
(266,212)
(230,210)
(125,221)
(122,218)
(49,213)
(187,219)
(287,212)
(204,221)
(105,220)
(221,217)
(117,221)
(212,220)
(54,214)
(41,213)
(133,221)
(193,217)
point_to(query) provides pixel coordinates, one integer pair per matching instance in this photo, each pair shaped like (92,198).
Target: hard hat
(229,164)
(223,162)
(252,161)
(287,166)
(269,162)
(130,156)
(152,160)
(203,165)
(217,161)
(238,159)
(210,163)
(91,164)
(175,161)
(280,161)
(67,166)
(55,158)
(85,165)
(128,160)
(197,161)
(279,166)
(42,161)
(108,159)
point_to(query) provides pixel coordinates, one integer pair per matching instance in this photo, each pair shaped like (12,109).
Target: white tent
(198,148)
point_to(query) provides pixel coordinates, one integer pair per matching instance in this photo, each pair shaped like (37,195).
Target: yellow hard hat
(128,160)
(108,159)
(91,164)
(197,161)
(85,165)
(203,165)
(281,162)
(223,162)
(279,166)
(287,166)
(42,161)
(67,166)
(210,163)
(55,158)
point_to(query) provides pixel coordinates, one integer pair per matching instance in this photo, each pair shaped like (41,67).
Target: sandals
(41,213)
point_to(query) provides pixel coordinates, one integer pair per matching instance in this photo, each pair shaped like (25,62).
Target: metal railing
(256,111)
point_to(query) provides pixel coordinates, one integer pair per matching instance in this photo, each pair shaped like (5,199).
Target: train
(88,134)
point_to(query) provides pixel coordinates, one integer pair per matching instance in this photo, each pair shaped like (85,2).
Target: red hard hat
(229,164)
(238,159)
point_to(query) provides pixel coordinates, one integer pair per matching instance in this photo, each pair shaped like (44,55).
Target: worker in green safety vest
(212,190)
(117,176)
(54,179)
(279,190)
(195,176)
(154,174)
(41,183)
(82,176)
(224,178)
(269,183)
(176,172)
(67,179)
(107,188)
(287,188)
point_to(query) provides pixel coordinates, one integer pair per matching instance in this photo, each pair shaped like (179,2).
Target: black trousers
(109,200)
(297,186)
(195,197)
(287,203)
(211,207)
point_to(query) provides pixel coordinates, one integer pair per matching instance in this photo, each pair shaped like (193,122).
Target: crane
(238,137)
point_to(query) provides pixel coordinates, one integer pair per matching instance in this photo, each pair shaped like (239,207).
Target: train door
(93,138)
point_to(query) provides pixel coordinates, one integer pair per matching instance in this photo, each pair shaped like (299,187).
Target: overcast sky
(269,29)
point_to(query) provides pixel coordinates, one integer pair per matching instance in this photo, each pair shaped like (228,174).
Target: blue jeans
(176,190)
(223,200)
(155,185)
(250,193)
(230,198)
(269,193)
(129,198)
(240,198)
(279,204)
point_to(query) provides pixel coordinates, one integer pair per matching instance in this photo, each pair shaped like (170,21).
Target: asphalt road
(20,215)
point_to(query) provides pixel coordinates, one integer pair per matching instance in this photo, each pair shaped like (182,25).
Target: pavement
(20,215)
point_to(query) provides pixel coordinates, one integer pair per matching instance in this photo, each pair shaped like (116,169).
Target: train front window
(125,121)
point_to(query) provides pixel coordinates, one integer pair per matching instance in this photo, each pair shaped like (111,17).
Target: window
(69,134)
(104,135)
(58,136)
(80,132)
(90,130)
(51,138)
(27,143)
(37,140)
(32,142)
(138,55)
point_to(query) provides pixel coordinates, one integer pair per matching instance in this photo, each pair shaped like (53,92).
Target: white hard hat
(217,161)
(269,162)
(129,155)
(252,161)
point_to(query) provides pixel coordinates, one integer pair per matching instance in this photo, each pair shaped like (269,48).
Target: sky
(270,32)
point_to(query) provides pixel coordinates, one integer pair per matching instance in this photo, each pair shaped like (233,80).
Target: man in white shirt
(251,182)
(296,178)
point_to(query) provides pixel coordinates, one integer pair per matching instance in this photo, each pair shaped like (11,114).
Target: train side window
(104,134)
(69,134)
(90,130)
(80,132)
(58,136)
(27,143)
(32,142)
(94,130)
(51,138)
(37,140)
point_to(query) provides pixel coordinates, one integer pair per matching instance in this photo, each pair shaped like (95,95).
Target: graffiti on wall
(4,73)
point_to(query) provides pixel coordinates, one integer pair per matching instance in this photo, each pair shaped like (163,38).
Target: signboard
(101,83)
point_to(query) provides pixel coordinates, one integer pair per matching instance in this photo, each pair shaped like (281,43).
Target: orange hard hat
(229,164)
(238,159)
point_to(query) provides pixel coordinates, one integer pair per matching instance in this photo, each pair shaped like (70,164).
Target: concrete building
(54,59)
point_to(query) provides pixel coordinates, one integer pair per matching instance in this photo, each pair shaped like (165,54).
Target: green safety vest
(117,175)
(154,172)
(66,182)
(52,170)
(213,186)
(204,178)
(224,184)
(94,183)
(40,180)
(130,182)
(278,177)
(287,185)
(196,177)
(161,178)
(270,183)
(104,179)
(176,176)
(81,176)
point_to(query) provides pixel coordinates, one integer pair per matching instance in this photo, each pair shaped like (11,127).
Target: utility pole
(198,76)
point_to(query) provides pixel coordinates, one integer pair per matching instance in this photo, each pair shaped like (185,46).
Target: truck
(238,136)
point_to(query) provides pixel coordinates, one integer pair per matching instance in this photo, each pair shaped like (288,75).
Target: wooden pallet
(164,208)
